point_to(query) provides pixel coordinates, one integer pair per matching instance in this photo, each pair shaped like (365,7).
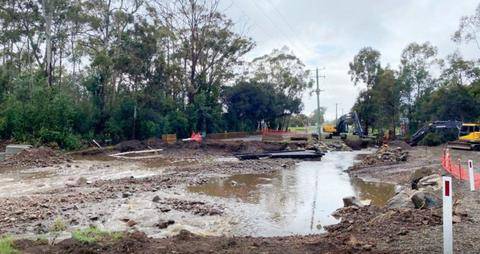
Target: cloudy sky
(328,34)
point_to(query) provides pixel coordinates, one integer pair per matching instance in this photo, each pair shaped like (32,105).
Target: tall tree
(365,67)
(468,29)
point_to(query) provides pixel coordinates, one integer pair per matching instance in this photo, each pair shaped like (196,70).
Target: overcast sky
(329,33)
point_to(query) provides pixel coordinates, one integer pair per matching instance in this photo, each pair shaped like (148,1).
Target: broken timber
(124,154)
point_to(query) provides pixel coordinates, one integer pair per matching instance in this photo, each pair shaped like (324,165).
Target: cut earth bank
(52,201)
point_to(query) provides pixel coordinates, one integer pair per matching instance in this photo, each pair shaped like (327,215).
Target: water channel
(294,201)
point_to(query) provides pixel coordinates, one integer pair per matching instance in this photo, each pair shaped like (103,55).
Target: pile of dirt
(385,155)
(35,157)
(399,143)
(370,225)
(329,145)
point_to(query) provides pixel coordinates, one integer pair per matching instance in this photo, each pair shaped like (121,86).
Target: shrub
(432,139)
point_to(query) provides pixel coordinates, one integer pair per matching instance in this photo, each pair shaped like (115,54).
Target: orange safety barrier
(456,169)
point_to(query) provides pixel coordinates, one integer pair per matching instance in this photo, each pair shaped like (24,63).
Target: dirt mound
(130,145)
(35,157)
(227,146)
(399,143)
(382,224)
(385,155)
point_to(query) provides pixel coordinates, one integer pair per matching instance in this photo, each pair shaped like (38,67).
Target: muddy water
(296,201)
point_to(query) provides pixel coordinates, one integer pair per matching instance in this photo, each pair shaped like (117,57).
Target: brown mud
(365,229)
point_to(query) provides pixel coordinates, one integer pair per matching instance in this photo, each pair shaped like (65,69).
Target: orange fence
(456,170)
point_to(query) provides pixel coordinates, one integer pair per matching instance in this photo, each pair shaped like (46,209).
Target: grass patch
(93,235)
(6,246)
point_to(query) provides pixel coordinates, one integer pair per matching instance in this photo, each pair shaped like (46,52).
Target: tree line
(423,88)
(73,70)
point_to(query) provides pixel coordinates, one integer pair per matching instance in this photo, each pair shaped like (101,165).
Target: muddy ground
(34,198)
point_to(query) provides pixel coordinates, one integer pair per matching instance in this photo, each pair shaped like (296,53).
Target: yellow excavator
(468,138)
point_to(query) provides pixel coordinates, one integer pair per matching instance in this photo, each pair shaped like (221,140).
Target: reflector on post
(447,215)
(471,175)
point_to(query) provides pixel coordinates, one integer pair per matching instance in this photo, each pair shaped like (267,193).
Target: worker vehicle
(344,125)
(468,138)
(443,127)
(329,128)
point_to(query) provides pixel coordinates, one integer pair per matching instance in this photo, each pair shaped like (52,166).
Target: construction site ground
(91,188)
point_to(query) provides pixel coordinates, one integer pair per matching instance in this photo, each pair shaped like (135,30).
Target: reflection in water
(296,201)
(378,193)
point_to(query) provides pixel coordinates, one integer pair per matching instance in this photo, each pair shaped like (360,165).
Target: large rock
(352,201)
(434,181)
(401,200)
(426,200)
(419,174)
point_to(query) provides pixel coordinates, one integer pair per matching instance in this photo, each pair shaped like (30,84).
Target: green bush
(432,139)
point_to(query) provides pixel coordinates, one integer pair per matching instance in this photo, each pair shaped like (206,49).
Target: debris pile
(35,157)
(385,155)
(329,145)
(195,207)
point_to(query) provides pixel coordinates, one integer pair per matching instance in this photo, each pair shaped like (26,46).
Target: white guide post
(447,215)
(471,175)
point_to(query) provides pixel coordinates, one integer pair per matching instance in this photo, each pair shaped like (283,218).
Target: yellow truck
(469,137)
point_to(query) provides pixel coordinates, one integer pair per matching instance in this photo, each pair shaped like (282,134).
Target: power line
(281,32)
(284,19)
(248,16)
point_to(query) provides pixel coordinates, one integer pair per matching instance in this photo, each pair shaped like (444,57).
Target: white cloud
(329,33)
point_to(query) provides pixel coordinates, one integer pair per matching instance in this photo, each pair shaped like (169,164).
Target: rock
(431,180)
(425,199)
(352,201)
(419,174)
(165,209)
(460,211)
(156,199)
(126,194)
(401,200)
(164,224)
(185,235)
(131,223)
(93,217)
(82,181)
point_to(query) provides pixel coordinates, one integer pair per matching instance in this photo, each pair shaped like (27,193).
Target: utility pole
(318,91)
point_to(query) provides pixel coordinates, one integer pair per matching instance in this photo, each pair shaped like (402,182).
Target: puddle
(378,193)
(296,201)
